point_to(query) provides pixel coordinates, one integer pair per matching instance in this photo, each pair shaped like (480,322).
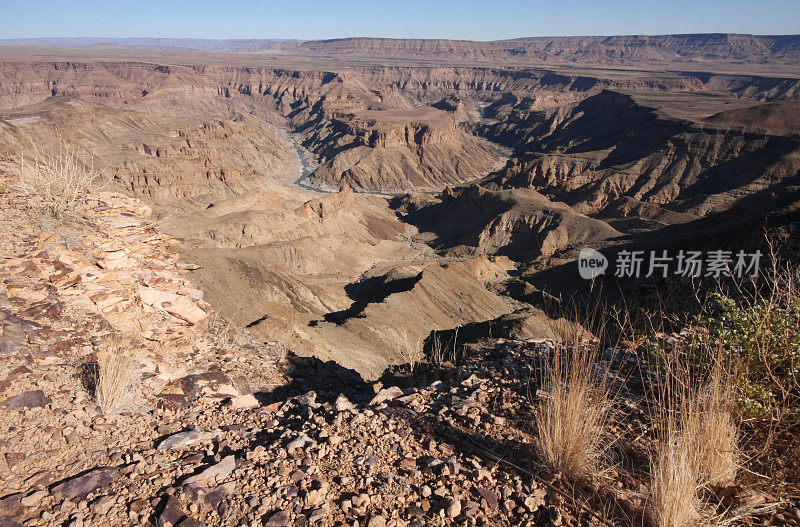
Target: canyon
(351,202)
(336,277)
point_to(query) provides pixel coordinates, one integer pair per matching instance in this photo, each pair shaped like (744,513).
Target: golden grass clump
(573,417)
(675,481)
(697,437)
(717,430)
(113,381)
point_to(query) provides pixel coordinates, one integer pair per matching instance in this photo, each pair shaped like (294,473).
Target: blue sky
(467,19)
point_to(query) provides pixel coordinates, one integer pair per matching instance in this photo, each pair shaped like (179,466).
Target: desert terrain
(292,231)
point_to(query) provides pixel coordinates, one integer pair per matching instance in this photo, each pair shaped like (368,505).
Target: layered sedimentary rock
(336,277)
(396,150)
(608,50)
(613,50)
(608,147)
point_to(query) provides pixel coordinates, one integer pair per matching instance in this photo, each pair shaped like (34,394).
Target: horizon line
(354,37)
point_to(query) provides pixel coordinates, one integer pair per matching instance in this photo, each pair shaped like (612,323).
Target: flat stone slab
(81,486)
(29,399)
(185,439)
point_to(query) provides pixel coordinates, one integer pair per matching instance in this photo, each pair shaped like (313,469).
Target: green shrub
(761,339)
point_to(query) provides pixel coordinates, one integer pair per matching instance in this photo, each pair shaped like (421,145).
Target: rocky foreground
(219,429)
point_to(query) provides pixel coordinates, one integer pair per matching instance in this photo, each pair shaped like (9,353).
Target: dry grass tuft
(675,466)
(697,436)
(572,417)
(411,350)
(58,180)
(675,479)
(717,431)
(113,381)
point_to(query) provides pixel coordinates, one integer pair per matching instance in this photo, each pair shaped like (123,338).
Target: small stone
(216,497)
(343,403)
(33,499)
(317,515)
(454,507)
(14,458)
(535,500)
(244,402)
(221,470)
(11,506)
(185,439)
(408,463)
(308,399)
(377,521)
(415,512)
(102,504)
(172,515)
(137,506)
(362,500)
(387,394)
(299,442)
(177,305)
(489,496)
(279,519)
(171,402)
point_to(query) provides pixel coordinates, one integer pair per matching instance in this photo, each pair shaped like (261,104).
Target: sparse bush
(225,332)
(113,381)
(437,352)
(410,350)
(763,336)
(57,180)
(757,330)
(440,353)
(573,416)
